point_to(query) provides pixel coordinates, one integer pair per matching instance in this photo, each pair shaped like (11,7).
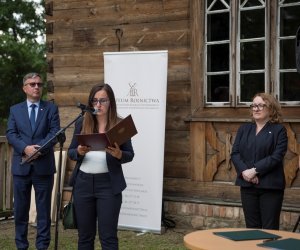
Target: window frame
(237,84)
(281,4)
(199,57)
(206,44)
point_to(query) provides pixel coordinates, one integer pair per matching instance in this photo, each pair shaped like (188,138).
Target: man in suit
(31,124)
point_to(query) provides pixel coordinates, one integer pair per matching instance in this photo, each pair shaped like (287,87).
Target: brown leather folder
(120,133)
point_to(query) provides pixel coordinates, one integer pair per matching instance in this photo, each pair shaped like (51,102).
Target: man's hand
(30,150)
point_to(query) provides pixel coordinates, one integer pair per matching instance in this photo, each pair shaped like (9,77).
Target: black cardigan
(264,151)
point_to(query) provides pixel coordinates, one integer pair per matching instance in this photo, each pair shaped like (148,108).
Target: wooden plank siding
(6,186)
(198,139)
(213,174)
(213,130)
(80,31)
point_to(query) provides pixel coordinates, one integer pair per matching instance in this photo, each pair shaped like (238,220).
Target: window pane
(252,55)
(252,3)
(290,86)
(252,23)
(287,54)
(291,1)
(218,88)
(218,5)
(250,85)
(218,27)
(217,57)
(289,20)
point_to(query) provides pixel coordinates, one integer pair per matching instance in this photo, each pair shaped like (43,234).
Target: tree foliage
(21,49)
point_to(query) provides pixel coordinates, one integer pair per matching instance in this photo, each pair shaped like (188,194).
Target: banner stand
(139,81)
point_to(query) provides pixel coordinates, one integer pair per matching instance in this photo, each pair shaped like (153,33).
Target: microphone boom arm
(58,136)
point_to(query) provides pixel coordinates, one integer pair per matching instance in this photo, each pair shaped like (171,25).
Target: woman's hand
(249,174)
(82,150)
(255,180)
(114,151)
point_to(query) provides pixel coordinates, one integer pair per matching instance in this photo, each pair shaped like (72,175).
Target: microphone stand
(61,138)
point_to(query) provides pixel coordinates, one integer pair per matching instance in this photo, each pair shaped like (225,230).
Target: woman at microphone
(98,179)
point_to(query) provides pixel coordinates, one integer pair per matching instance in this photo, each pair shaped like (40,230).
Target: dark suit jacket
(19,135)
(113,164)
(264,151)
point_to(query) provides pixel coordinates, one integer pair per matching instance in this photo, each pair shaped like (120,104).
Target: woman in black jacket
(257,154)
(98,177)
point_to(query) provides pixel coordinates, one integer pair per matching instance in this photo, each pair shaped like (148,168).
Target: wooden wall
(212,173)
(6,185)
(78,32)
(197,151)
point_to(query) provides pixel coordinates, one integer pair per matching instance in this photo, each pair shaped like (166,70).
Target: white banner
(139,81)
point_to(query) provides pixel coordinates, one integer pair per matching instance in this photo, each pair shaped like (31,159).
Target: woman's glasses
(101,101)
(259,106)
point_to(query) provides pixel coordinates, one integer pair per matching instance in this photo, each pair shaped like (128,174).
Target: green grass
(67,239)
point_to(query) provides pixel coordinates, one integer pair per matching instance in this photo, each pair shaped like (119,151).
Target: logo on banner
(133,100)
(133,90)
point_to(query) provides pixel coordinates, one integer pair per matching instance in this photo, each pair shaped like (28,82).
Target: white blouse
(94,162)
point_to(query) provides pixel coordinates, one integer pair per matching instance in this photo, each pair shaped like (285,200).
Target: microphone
(86,108)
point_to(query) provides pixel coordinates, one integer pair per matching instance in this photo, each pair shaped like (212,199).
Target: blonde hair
(273,105)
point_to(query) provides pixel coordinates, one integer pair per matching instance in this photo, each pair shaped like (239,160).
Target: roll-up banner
(139,81)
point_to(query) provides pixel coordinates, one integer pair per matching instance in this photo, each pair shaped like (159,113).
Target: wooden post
(6,188)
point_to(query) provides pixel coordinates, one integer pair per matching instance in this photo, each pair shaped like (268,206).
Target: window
(250,47)
(251,50)
(288,88)
(217,51)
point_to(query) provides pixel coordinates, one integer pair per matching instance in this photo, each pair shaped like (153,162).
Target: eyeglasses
(101,101)
(259,106)
(34,84)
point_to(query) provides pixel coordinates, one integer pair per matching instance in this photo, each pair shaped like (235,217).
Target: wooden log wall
(197,152)
(212,172)
(78,32)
